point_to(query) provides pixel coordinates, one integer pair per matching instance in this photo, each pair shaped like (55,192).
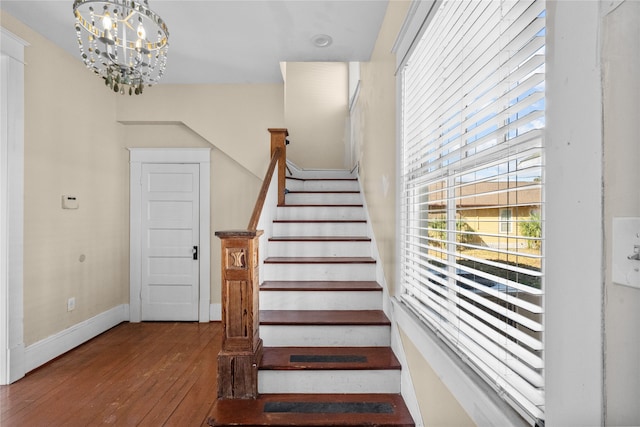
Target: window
(505,221)
(472,180)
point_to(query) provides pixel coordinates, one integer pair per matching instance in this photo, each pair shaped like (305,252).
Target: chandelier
(122,41)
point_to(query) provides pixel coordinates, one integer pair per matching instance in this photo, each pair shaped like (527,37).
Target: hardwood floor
(136,374)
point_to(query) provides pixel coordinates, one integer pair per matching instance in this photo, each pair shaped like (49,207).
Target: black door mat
(329,358)
(330,407)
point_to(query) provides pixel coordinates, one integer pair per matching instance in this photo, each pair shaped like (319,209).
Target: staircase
(327,358)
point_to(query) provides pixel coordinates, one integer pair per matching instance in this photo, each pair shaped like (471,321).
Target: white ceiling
(233,41)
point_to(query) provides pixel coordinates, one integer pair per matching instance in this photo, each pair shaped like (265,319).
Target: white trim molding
(416,21)
(12,45)
(215,312)
(11,207)
(138,156)
(43,351)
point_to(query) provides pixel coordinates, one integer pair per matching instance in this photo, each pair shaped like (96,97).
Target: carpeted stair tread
(313,410)
(328,358)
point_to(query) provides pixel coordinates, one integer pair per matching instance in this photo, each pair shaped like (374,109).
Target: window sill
(476,397)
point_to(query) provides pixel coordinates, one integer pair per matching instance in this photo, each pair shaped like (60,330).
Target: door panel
(170,230)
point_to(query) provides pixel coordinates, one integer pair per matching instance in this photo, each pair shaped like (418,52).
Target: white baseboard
(215,312)
(16,360)
(43,351)
(408,390)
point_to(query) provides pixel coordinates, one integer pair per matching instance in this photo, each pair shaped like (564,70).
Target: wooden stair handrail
(241,351)
(257,210)
(279,158)
(279,141)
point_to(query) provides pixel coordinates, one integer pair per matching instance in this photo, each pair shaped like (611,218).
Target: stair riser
(343,381)
(319,272)
(323,174)
(319,249)
(319,229)
(321,185)
(329,336)
(313,300)
(306,213)
(323,199)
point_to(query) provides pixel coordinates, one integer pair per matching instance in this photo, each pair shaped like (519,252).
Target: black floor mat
(336,358)
(330,407)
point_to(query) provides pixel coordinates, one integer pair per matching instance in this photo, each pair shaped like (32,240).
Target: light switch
(69,202)
(625,258)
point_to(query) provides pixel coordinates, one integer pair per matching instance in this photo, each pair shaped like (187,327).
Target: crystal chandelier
(123,41)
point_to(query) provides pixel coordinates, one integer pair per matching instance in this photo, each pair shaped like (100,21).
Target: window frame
(475,389)
(574,342)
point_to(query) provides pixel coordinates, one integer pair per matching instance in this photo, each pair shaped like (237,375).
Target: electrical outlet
(71,304)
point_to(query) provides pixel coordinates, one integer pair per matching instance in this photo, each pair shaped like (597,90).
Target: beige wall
(373,121)
(316,112)
(76,135)
(234,118)
(71,147)
(621,62)
(437,407)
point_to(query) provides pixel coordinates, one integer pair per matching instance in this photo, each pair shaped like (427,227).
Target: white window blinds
(472,185)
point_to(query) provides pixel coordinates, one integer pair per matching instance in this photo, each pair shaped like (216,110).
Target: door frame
(12,349)
(138,156)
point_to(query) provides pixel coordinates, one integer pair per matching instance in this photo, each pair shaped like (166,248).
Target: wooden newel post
(279,140)
(241,351)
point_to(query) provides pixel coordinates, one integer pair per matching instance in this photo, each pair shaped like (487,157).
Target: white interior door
(170,242)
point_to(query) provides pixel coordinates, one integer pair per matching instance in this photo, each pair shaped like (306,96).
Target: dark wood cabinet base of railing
(241,350)
(238,374)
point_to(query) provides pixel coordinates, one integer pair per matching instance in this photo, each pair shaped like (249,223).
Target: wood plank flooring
(136,374)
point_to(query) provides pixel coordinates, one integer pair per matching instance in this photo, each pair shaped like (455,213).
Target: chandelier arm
(128,17)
